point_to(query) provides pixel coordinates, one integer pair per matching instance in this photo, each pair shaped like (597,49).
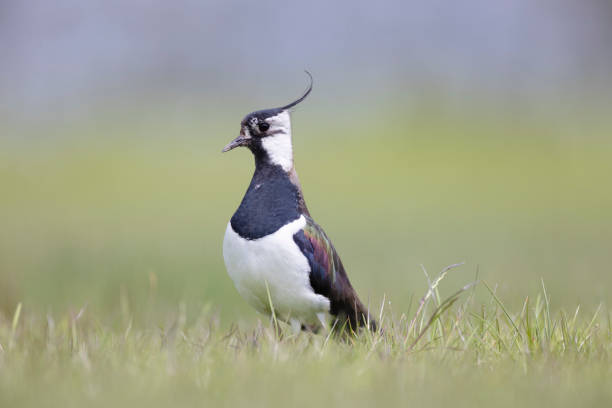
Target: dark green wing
(328,277)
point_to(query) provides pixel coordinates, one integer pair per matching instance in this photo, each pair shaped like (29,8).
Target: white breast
(276,261)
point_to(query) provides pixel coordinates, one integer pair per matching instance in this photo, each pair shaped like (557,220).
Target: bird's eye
(263,126)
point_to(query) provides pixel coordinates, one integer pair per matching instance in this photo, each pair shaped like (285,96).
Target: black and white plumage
(273,249)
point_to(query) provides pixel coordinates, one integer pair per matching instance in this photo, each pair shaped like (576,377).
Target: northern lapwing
(277,256)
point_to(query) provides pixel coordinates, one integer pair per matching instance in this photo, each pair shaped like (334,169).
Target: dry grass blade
(439,311)
(428,294)
(272,311)
(14,324)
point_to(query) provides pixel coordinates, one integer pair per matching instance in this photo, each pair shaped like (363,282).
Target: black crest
(254,118)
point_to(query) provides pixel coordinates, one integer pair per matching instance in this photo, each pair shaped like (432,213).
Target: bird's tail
(365,318)
(354,316)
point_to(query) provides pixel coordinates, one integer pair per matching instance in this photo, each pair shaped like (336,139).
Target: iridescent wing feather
(328,277)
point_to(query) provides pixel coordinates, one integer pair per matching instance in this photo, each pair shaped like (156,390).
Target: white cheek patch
(280,123)
(278,144)
(279,150)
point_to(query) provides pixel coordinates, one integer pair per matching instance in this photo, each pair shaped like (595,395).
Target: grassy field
(437,355)
(110,242)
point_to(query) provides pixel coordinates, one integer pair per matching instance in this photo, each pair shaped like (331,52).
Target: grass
(449,351)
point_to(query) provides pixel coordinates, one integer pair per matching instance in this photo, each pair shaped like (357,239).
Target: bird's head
(267,133)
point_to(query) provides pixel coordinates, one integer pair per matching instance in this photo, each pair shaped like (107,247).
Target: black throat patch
(270,202)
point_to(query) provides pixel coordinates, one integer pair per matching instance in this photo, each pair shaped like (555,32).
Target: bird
(280,260)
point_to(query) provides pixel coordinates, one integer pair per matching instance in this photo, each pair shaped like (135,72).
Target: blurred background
(436,133)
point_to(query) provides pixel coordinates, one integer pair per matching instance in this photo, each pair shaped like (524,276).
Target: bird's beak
(241,140)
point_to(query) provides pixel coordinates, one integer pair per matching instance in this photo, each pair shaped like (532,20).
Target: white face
(277,143)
